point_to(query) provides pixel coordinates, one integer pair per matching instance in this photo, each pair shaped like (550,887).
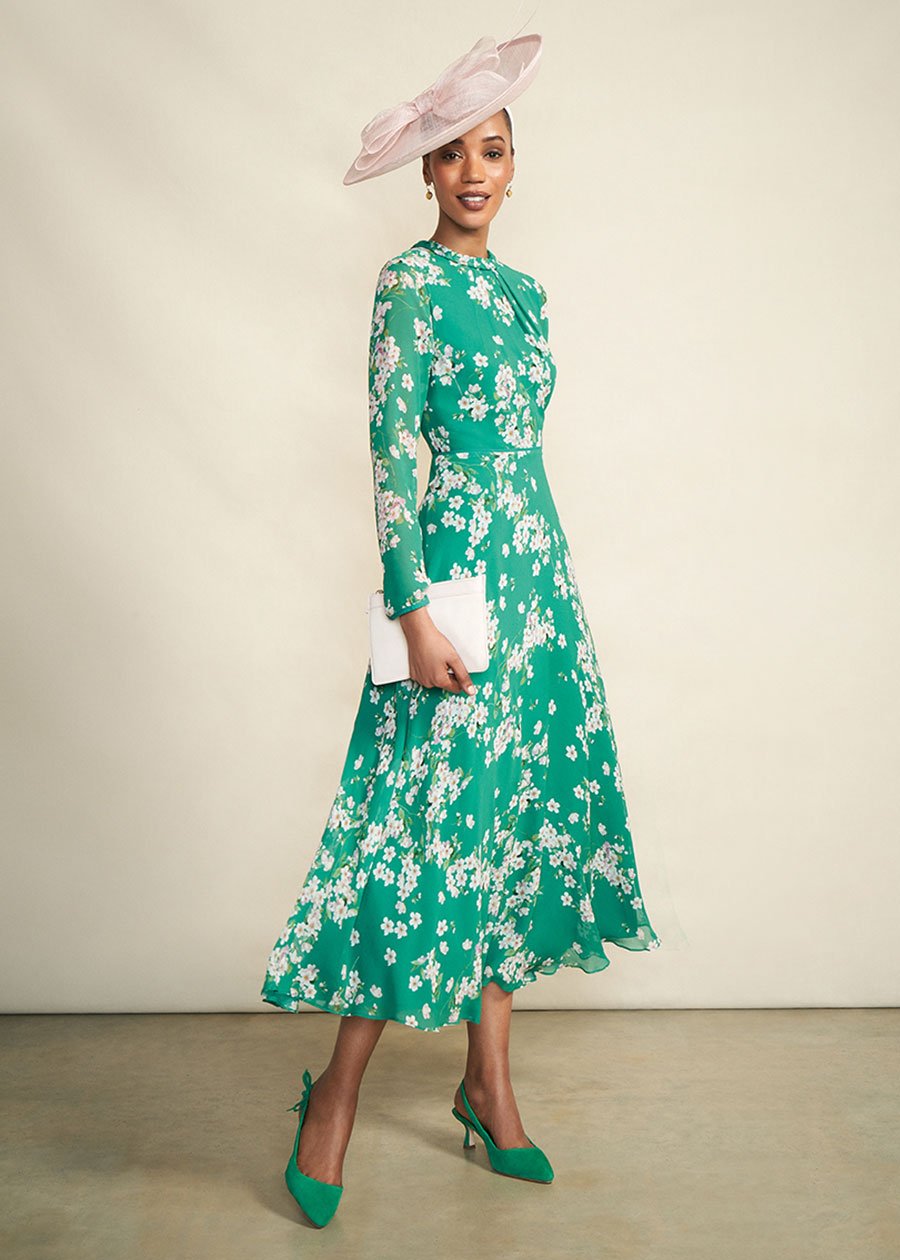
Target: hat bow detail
(471,76)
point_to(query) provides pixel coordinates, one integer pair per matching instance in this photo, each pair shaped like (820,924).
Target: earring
(428,193)
(509,190)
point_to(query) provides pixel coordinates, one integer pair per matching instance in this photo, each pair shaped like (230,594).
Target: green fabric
(471,838)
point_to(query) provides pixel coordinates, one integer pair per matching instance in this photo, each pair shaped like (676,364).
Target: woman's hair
(505,113)
(512,147)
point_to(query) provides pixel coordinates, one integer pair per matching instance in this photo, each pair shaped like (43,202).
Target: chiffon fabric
(483,837)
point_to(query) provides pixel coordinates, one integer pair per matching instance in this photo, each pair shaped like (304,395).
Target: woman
(479,836)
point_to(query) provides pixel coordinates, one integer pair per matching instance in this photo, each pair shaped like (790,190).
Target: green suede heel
(318,1199)
(527,1162)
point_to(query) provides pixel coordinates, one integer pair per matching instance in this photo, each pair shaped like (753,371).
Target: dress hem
(589,965)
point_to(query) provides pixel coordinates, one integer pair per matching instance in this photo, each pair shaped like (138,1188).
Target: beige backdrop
(710,195)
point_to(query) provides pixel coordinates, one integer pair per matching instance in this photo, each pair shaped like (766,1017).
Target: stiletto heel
(528,1162)
(318,1199)
(468,1140)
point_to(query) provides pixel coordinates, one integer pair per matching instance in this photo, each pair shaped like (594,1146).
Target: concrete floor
(676,1134)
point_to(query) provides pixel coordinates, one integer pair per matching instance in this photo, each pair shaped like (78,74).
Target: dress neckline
(474,260)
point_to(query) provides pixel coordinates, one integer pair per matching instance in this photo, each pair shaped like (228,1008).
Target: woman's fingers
(460,674)
(434,661)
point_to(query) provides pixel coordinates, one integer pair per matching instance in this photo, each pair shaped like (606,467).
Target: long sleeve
(400,354)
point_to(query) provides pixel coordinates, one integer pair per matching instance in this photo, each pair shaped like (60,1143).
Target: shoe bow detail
(302,1100)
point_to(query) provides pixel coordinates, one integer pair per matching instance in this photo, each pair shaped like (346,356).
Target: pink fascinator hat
(471,89)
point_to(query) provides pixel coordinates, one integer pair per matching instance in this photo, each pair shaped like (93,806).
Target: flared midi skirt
(483,837)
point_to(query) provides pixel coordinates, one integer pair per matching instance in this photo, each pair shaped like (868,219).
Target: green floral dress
(484,837)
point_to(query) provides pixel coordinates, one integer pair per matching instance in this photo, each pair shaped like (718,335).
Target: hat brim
(519,61)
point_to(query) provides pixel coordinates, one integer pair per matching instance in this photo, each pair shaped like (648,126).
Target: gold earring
(509,190)
(428,193)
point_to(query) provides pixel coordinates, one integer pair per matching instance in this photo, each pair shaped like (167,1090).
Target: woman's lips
(474,201)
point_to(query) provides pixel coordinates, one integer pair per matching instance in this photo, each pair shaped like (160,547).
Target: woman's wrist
(414,621)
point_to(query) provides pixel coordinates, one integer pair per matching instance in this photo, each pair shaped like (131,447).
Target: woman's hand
(433,660)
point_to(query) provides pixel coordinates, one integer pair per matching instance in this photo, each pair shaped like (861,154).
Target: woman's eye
(490,153)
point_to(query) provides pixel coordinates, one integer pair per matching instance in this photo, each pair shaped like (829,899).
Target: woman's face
(470,174)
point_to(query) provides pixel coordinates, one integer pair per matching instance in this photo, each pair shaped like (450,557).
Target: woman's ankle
(487,1080)
(341,1083)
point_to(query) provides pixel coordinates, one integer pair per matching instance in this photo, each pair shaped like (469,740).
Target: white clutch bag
(458,607)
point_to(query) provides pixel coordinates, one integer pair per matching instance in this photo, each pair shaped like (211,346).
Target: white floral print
(484,837)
